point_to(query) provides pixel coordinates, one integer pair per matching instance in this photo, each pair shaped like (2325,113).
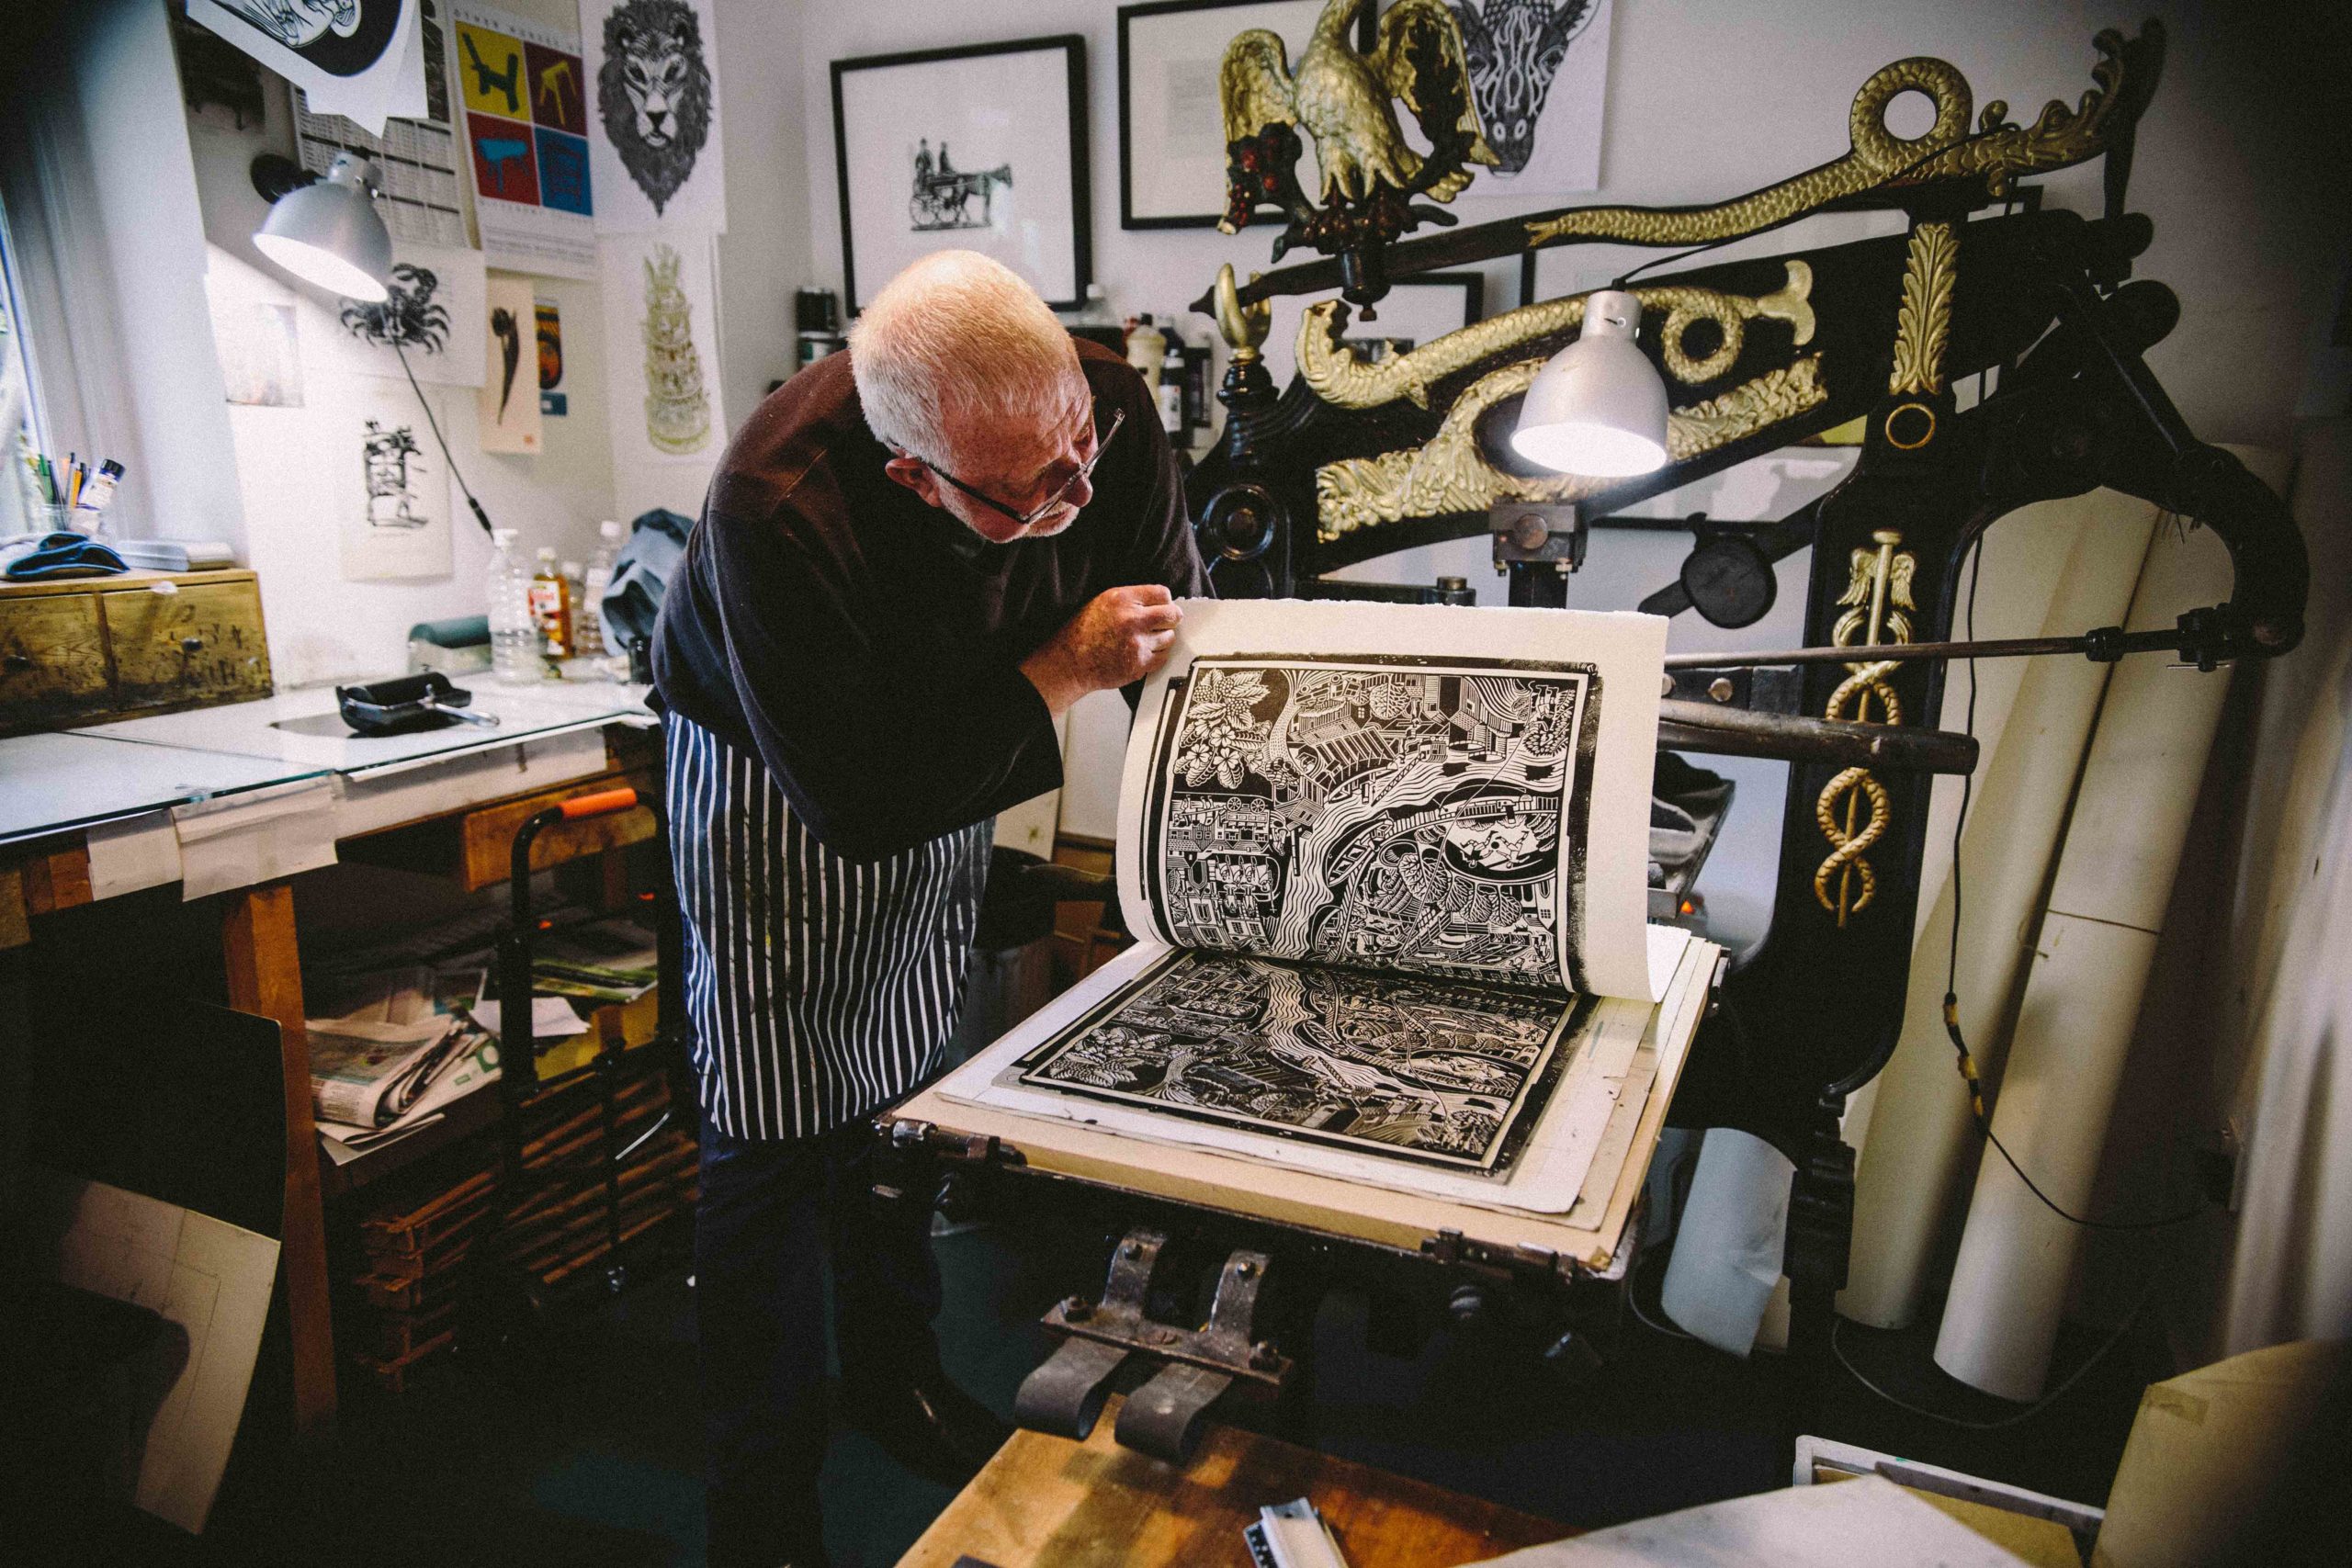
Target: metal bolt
(1163,1337)
(1530,532)
(1076,1309)
(1262,1354)
(1720,688)
(1243,1269)
(1131,1249)
(1665,686)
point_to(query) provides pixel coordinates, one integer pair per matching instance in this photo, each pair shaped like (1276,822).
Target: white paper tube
(1727,1252)
(2090,967)
(2079,560)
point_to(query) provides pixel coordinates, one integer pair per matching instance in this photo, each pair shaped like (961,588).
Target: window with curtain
(21,440)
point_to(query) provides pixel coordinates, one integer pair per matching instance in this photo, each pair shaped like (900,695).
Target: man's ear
(913,473)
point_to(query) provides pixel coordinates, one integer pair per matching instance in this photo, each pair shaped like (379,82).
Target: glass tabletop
(302,728)
(54,782)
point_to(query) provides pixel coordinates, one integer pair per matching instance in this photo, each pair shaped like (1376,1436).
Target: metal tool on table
(407,704)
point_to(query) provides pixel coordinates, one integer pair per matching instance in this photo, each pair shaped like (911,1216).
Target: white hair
(954,336)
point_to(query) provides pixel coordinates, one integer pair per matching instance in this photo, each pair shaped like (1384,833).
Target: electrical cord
(435,425)
(1967,1061)
(1838,1349)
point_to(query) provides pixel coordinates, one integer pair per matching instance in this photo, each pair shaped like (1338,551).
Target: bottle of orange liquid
(551,609)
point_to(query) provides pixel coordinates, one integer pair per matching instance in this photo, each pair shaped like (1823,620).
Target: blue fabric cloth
(640,574)
(65,554)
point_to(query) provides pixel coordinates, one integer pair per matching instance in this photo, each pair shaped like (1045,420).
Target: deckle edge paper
(1569,1166)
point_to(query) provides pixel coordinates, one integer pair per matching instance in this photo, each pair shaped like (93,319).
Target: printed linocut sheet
(1471,800)
(1500,1100)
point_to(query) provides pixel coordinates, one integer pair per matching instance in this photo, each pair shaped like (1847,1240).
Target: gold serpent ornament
(1879,607)
(1448,474)
(1344,379)
(1998,153)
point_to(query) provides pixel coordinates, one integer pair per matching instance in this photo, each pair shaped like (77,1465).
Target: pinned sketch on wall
(677,409)
(1540,71)
(261,363)
(548,318)
(408,317)
(523,85)
(363,58)
(417,159)
(656,145)
(508,407)
(432,316)
(661,355)
(391,488)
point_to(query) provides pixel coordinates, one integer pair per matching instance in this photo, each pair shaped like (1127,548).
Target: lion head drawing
(653,92)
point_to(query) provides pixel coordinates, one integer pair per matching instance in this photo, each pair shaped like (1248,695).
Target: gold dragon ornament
(1346,102)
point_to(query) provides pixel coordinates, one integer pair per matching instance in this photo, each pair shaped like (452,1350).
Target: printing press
(1361,457)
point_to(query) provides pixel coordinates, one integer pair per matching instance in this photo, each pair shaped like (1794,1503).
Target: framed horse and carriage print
(980,148)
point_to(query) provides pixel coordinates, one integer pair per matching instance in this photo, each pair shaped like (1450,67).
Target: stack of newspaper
(389,1066)
(407,1028)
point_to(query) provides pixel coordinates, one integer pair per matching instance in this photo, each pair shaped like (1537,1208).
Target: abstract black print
(1390,1064)
(1406,814)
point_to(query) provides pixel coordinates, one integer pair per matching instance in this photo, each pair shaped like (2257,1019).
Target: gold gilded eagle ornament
(1346,102)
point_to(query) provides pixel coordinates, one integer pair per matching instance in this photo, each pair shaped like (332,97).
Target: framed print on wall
(979,148)
(1171,127)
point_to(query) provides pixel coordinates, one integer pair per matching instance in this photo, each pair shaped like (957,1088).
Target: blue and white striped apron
(817,988)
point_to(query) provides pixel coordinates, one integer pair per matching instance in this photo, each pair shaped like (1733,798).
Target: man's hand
(1121,635)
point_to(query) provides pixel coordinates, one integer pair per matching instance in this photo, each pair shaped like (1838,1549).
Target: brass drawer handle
(16,663)
(191,645)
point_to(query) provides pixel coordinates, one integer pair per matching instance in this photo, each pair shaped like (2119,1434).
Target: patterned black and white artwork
(362,59)
(1538,69)
(655,153)
(1401,1066)
(1410,814)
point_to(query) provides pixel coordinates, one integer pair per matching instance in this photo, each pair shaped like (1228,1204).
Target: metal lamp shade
(1597,407)
(330,233)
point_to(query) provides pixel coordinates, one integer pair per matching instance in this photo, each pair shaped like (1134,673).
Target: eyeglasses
(1061,493)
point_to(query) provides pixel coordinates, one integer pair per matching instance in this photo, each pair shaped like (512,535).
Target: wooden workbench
(1046,1501)
(454,817)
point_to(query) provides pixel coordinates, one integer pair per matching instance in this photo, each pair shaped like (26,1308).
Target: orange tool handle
(602,803)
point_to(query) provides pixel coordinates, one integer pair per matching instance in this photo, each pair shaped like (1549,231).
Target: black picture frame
(1073,45)
(1128,15)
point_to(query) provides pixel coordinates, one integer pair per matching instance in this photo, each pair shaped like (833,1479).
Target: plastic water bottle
(588,616)
(514,641)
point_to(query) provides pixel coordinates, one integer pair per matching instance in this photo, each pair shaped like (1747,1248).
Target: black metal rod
(2106,646)
(1792,737)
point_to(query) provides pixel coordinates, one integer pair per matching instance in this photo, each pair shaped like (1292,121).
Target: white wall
(1707,102)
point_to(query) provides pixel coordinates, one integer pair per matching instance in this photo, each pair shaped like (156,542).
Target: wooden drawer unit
(200,645)
(52,659)
(92,648)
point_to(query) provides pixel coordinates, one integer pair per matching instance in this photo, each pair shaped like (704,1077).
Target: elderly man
(912,559)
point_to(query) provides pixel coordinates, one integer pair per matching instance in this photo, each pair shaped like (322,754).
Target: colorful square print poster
(523,91)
